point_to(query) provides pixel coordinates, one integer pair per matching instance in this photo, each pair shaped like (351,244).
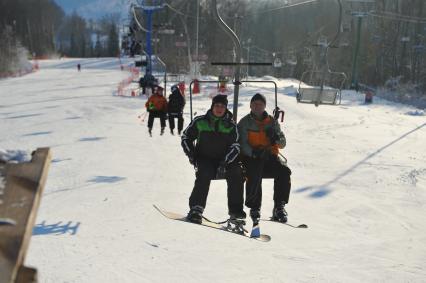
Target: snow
(416,112)
(358,182)
(15,156)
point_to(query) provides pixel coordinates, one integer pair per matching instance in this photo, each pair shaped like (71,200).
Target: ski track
(358,182)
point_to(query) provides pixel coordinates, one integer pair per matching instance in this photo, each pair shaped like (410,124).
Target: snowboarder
(156,105)
(215,155)
(175,109)
(260,139)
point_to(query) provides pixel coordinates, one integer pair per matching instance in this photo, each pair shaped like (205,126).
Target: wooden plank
(27,275)
(19,204)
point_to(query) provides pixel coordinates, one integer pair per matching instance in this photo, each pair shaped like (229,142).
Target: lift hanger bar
(242,64)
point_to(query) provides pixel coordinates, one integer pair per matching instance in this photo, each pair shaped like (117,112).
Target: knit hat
(220,98)
(258,96)
(174,88)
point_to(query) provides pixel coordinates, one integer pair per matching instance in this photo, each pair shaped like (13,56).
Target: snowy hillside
(359,182)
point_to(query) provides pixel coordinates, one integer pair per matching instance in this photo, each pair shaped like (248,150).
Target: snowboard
(206,223)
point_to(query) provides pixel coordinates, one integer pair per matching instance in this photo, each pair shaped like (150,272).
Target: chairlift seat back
(317,96)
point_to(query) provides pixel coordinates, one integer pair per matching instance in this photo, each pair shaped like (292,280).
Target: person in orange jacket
(260,139)
(156,107)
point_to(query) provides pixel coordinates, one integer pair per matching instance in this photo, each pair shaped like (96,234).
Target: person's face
(158,91)
(219,109)
(257,107)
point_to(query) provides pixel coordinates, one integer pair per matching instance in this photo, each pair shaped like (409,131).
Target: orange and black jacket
(253,134)
(156,103)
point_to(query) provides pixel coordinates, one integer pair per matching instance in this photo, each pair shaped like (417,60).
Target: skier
(147,81)
(215,155)
(78,67)
(156,105)
(175,109)
(260,139)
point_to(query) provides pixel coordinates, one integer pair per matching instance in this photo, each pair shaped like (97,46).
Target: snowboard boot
(150,132)
(279,213)
(255,216)
(236,224)
(195,214)
(162,131)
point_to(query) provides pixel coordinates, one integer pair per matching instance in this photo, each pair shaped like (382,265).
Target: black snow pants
(206,171)
(157,114)
(179,117)
(272,167)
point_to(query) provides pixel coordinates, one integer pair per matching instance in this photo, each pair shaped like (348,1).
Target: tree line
(384,39)
(391,37)
(40,28)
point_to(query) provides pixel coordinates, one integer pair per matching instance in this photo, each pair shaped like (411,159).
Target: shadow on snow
(324,189)
(56,229)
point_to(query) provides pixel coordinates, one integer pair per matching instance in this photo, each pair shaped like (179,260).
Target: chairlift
(324,86)
(277,112)
(344,43)
(291,61)
(291,58)
(277,63)
(322,41)
(237,82)
(307,56)
(157,66)
(175,78)
(346,27)
(419,48)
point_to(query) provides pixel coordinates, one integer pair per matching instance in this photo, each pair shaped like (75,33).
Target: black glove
(221,170)
(260,153)
(272,135)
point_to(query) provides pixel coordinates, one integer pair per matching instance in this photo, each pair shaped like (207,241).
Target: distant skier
(175,109)
(78,67)
(215,155)
(156,105)
(147,81)
(261,138)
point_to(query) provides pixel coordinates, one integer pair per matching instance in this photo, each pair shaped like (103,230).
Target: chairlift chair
(323,86)
(237,82)
(277,112)
(326,90)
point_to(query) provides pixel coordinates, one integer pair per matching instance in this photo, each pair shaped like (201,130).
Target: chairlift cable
(336,37)
(414,20)
(137,21)
(281,8)
(400,15)
(180,12)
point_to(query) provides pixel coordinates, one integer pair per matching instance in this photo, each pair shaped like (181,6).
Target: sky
(358,182)
(95,8)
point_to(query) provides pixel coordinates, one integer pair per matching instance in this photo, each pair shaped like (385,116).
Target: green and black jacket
(212,137)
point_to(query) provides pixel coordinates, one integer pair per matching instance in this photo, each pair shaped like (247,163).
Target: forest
(37,29)
(374,42)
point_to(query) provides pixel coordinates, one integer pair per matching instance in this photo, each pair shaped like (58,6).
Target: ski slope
(359,182)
